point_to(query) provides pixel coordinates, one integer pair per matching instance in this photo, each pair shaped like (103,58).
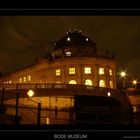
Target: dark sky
(22,38)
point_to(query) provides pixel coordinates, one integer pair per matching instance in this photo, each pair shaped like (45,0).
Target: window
(24,79)
(87,70)
(110,72)
(101,83)
(71,70)
(68,53)
(101,71)
(29,77)
(72,82)
(111,84)
(20,80)
(88,82)
(58,72)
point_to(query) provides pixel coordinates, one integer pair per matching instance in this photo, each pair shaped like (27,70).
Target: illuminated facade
(75,59)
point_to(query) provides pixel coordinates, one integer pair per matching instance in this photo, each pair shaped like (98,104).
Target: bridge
(68,90)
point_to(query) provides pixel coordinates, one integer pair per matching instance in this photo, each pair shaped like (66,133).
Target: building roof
(74,38)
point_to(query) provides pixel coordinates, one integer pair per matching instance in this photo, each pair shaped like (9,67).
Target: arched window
(58,82)
(72,82)
(102,83)
(110,72)
(88,82)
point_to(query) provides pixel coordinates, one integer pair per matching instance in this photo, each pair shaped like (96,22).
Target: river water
(30,116)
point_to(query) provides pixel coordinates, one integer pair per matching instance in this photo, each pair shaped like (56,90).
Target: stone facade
(45,72)
(69,53)
(70,62)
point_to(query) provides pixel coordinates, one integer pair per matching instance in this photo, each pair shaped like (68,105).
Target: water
(136,114)
(30,115)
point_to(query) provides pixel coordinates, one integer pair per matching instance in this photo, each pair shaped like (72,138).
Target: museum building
(74,59)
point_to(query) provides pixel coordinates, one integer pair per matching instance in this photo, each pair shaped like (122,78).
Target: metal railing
(50,86)
(79,117)
(69,89)
(38,113)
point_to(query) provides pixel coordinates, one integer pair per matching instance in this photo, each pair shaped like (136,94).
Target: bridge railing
(57,86)
(8,86)
(78,87)
(44,85)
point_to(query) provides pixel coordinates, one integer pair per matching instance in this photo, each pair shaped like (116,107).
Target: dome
(74,38)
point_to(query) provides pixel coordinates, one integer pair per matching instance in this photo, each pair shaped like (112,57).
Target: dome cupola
(75,38)
(74,44)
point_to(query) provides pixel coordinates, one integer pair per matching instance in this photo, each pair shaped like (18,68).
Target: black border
(68,12)
(92,131)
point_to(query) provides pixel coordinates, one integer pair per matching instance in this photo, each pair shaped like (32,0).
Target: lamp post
(17,104)
(30,93)
(135,84)
(123,75)
(17,118)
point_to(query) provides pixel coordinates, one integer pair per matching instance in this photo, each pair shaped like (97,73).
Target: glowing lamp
(68,39)
(123,74)
(134,82)
(108,94)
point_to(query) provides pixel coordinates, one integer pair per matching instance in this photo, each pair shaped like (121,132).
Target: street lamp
(30,93)
(135,83)
(123,75)
(108,94)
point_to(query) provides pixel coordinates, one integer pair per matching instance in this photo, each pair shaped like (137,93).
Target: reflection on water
(29,116)
(48,116)
(136,110)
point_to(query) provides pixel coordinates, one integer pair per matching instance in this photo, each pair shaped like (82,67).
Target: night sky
(22,38)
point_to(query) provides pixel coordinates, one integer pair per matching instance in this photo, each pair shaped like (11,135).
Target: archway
(72,82)
(88,82)
(102,83)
